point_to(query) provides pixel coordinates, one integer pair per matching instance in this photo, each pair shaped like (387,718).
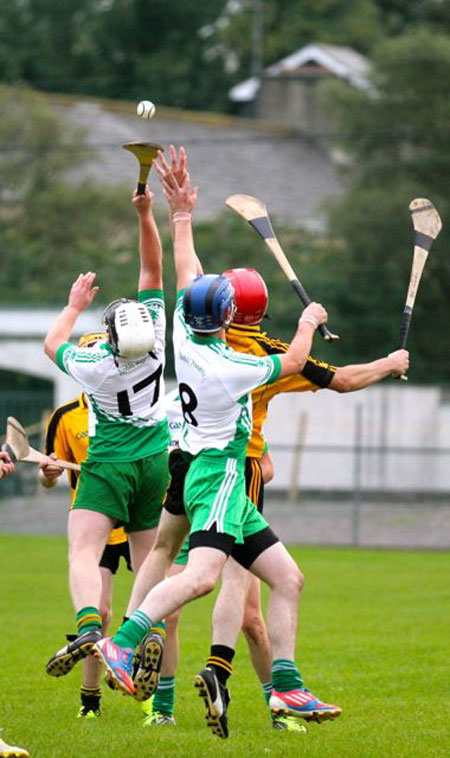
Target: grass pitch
(374,638)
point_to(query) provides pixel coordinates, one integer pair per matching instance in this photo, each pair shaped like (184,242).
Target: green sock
(160,627)
(164,698)
(286,676)
(267,691)
(88,618)
(132,631)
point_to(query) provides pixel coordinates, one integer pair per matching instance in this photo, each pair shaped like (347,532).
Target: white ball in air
(146,109)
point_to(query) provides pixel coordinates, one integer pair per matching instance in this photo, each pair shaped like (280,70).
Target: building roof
(227,155)
(343,62)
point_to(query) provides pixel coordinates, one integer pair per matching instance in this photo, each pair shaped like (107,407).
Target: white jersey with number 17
(214,383)
(127,419)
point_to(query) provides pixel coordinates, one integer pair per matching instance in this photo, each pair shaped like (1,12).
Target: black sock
(220,659)
(90,697)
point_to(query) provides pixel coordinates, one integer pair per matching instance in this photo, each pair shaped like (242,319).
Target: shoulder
(271,345)
(59,416)
(88,355)
(153,300)
(238,358)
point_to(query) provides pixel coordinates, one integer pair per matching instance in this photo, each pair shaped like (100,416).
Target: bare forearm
(150,251)
(61,330)
(293,361)
(358,376)
(187,263)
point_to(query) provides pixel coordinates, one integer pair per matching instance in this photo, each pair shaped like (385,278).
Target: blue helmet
(209,303)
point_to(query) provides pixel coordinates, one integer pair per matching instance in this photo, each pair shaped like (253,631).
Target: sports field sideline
(373,638)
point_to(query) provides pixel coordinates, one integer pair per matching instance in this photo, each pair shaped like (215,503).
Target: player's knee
(291,581)
(295,579)
(202,585)
(77,554)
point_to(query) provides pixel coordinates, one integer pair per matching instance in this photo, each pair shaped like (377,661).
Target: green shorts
(216,501)
(132,493)
(183,555)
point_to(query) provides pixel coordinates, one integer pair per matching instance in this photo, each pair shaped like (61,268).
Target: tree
(121,49)
(50,229)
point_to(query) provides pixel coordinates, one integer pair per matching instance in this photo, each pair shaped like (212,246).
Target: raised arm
(81,296)
(181,199)
(150,250)
(293,361)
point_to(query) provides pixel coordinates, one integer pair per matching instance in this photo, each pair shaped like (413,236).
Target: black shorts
(254,484)
(112,555)
(245,553)
(178,468)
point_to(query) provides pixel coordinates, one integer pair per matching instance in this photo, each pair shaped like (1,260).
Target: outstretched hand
(83,291)
(175,181)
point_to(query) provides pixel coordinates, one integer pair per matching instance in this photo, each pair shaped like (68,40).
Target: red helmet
(250,295)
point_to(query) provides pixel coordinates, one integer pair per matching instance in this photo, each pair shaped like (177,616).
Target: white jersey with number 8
(214,383)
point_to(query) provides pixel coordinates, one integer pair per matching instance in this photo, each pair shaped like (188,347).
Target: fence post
(357,468)
(297,456)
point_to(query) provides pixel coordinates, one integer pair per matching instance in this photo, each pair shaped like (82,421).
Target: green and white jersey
(174,415)
(215,383)
(127,419)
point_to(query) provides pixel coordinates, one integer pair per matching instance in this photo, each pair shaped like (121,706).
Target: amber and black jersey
(315,375)
(67,436)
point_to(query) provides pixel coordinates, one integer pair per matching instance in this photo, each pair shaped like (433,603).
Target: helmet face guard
(209,303)
(92,338)
(130,329)
(251,296)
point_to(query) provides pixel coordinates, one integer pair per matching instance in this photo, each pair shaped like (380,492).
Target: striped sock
(160,628)
(132,631)
(164,699)
(88,618)
(267,691)
(90,697)
(220,660)
(286,676)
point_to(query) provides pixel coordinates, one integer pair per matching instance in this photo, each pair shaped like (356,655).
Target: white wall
(392,415)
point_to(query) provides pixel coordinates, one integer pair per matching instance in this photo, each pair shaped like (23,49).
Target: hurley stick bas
(255,212)
(146,153)
(19,449)
(427,225)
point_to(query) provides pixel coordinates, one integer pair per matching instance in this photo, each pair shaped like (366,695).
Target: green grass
(374,638)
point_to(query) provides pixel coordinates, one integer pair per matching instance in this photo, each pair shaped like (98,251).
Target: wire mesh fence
(379,495)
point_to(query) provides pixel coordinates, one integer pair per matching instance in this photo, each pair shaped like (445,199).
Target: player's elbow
(50,348)
(292,363)
(343,381)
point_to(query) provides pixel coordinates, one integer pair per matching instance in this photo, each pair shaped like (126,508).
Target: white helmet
(130,329)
